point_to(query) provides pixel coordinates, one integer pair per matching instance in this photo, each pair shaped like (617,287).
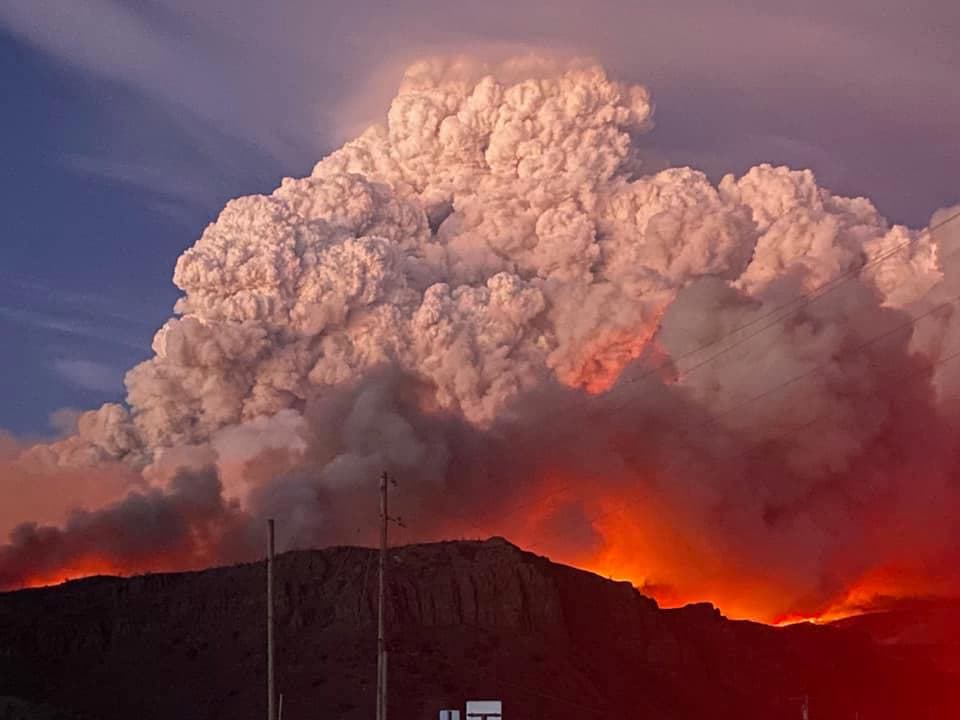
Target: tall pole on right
(381,646)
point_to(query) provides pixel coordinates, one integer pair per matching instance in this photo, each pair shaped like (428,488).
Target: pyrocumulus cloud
(492,296)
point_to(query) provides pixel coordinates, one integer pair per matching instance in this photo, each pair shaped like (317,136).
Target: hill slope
(468,619)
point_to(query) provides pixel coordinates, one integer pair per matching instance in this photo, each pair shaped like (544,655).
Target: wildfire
(89,566)
(623,541)
(81,568)
(634,539)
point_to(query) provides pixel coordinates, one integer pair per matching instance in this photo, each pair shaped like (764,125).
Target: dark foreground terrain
(468,619)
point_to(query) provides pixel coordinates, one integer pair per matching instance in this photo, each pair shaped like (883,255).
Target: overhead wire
(767,440)
(795,305)
(777,313)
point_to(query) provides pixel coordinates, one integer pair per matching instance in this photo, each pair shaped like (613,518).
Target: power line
(803,300)
(760,396)
(777,313)
(820,366)
(756,446)
(799,302)
(778,316)
(809,297)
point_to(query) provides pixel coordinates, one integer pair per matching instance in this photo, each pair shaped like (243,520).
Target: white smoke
(496,231)
(500,235)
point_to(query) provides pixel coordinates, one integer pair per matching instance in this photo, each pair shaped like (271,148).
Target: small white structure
(484,710)
(449,715)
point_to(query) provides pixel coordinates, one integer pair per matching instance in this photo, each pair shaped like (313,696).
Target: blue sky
(90,235)
(128,125)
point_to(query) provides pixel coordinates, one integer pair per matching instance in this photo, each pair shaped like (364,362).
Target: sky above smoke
(841,87)
(510,292)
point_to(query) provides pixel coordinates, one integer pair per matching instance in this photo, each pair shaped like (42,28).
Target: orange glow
(638,549)
(632,540)
(635,539)
(75,570)
(627,532)
(601,360)
(821,619)
(91,565)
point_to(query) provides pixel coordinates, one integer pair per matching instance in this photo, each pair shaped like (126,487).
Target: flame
(105,563)
(631,535)
(631,539)
(635,539)
(79,568)
(90,566)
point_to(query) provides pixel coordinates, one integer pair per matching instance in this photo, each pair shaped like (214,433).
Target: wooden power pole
(381,649)
(271,692)
(385,520)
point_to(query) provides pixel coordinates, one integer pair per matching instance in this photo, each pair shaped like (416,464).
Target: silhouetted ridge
(466,619)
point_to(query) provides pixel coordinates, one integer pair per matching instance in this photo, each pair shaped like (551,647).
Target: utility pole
(271,696)
(385,520)
(381,650)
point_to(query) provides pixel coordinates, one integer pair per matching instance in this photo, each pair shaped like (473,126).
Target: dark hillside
(468,619)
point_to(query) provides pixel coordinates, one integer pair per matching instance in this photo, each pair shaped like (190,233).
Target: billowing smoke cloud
(490,296)
(188,526)
(34,485)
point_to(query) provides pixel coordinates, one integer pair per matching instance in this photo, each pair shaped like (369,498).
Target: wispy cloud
(171,55)
(840,77)
(70,326)
(192,117)
(90,315)
(180,187)
(37,293)
(90,375)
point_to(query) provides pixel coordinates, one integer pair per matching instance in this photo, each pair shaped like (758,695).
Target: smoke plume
(492,297)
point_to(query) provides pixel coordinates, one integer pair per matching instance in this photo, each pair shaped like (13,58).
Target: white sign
(484,710)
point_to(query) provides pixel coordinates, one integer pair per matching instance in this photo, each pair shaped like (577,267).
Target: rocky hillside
(467,619)
(917,630)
